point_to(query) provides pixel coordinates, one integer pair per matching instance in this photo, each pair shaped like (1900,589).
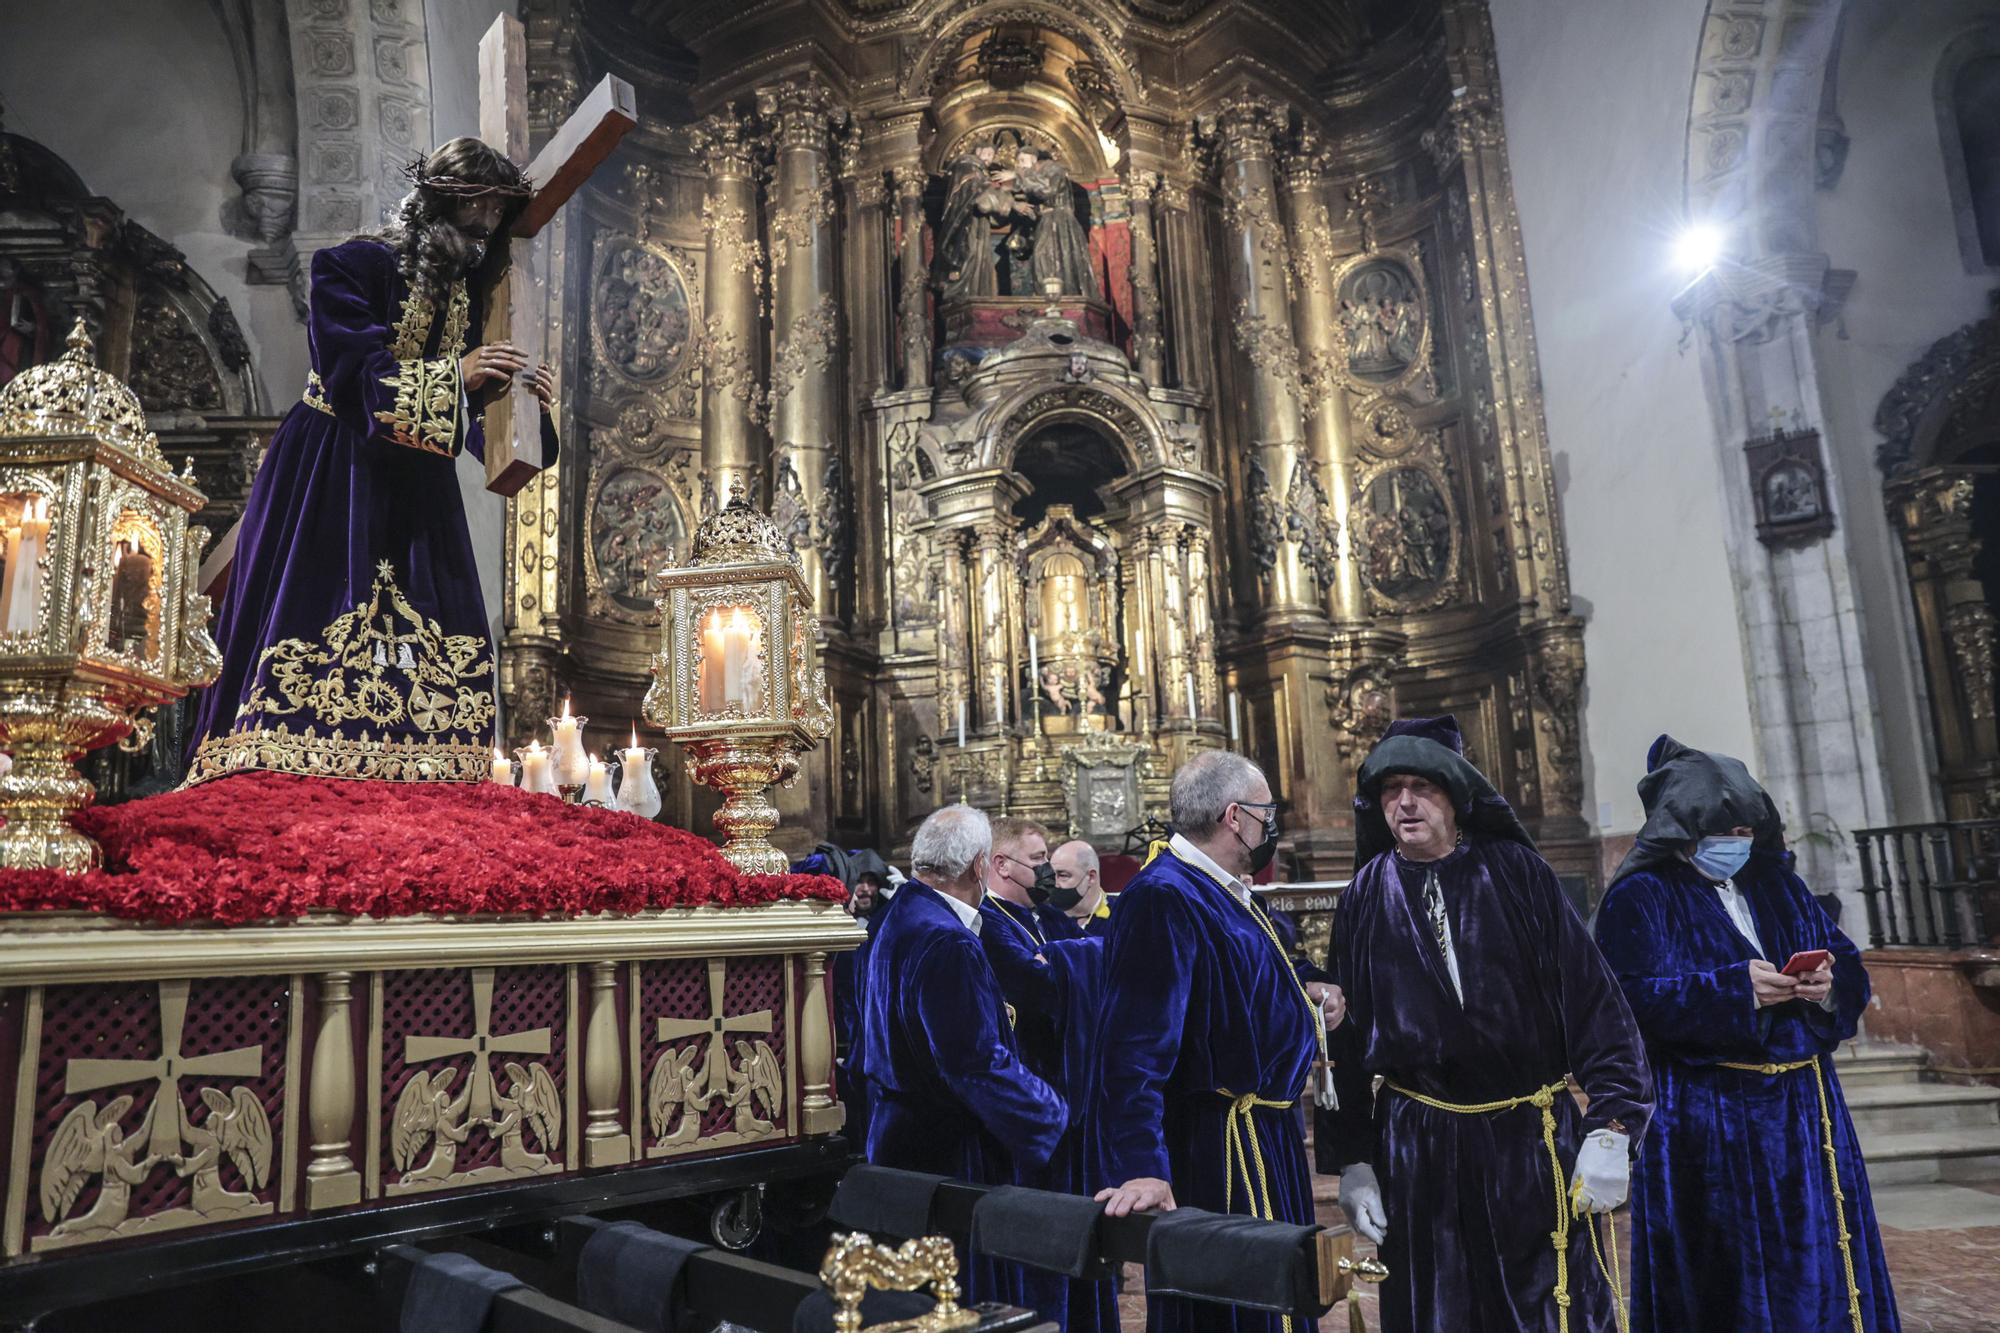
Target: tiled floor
(1943,1243)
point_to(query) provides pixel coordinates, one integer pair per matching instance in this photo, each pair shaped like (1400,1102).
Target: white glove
(1603,1172)
(1361,1200)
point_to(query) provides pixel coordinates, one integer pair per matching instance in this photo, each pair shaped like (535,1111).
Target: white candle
(961,724)
(24,566)
(503,768)
(729,673)
(637,792)
(536,771)
(597,783)
(1034,664)
(999,703)
(571,764)
(1192,711)
(1235,721)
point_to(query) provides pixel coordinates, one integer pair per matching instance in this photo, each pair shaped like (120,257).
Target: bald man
(1079,908)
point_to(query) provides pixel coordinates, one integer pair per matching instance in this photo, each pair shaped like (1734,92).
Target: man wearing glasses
(1206,1036)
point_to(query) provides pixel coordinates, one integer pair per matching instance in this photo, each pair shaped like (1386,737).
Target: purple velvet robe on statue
(1471,1199)
(1198,999)
(353,635)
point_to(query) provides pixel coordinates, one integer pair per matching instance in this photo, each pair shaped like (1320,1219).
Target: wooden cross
(718,1027)
(482,1042)
(516,274)
(169,1115)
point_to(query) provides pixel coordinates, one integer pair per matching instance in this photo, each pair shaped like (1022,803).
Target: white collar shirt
(1203,862)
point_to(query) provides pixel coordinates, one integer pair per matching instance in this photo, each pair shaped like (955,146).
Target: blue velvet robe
(847,970)
(1199,1000)
(1732,1210)
(1471,1200)
(353,635)
(951,1095)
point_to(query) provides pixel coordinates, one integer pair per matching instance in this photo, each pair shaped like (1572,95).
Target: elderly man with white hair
(1206,1035)
(951,1094)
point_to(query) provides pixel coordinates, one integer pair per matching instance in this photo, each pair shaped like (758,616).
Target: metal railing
(1934,885)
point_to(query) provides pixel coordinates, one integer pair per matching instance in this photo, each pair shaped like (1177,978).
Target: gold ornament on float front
(100,617)
(737,680)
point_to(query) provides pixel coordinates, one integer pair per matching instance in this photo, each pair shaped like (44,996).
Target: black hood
(1692,794)
(1431,748)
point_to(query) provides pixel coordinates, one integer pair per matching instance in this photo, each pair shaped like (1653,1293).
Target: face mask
(1262,852)
(1720,857)
(1043,886)
(1065,900)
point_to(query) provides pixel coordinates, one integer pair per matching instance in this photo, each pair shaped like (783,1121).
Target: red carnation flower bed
(259,846)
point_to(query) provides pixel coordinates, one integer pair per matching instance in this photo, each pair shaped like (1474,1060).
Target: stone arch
(1977,217)
(1754,121)
(1113,412)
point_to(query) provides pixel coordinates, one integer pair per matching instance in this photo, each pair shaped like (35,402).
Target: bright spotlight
(1698,248)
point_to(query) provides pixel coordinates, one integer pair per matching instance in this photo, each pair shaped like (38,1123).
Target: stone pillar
(732,447)
(808,479)
(1277,476)
(913,317)
(871,305)
(1149,349)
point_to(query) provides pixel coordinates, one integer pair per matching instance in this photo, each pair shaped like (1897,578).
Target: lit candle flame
(498,758)
(534,747)
(635,735)
(566,699)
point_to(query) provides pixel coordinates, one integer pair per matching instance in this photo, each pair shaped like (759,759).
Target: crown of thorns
(459,188)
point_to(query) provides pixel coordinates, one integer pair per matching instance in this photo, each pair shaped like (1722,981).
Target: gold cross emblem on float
(482,1043)
(169,1067)
(716,1069)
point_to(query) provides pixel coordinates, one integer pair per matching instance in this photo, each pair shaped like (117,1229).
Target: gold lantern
(100,617)
(737,679)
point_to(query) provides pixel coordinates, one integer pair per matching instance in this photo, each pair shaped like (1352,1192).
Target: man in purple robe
(1206,1036)
(1751,1207)
(1473,990)
(353,635)
(951,1095)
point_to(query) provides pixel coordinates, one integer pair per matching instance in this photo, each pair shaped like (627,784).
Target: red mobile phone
(1809,960)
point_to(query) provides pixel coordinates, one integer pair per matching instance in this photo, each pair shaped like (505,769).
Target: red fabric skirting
(265,845)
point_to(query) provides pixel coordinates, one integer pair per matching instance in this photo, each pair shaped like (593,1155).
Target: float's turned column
(331,1180)
(605,1142)
(820,1113)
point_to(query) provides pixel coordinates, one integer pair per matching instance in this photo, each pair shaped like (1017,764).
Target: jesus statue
(352,630)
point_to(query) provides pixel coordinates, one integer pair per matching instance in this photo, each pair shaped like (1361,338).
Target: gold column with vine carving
(1245,130)
(732,414)
(912,306)
(1147,344)
(808,484)
(1931,511)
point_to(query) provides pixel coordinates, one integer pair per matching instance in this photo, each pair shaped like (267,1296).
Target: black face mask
(1065,900)
(1044,885)
(1262,852)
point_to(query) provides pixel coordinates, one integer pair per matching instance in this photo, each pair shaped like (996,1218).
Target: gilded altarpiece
(1125,392)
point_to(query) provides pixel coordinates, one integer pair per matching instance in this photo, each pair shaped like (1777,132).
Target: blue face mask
(1720,857)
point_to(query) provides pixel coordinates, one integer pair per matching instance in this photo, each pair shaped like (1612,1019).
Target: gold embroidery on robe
(382,664)
(428,392)
(425,413)
(315,394)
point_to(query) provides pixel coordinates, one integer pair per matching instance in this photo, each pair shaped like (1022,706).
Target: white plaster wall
(454,28)
(1596,101)
(143,103)
(1890,220)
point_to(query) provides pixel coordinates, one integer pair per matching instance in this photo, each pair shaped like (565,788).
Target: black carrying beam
(720,1286)
(522,1310)
(1121,1240)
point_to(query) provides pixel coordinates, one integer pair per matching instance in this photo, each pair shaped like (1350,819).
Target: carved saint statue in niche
(1058,252)
(1381,320)
(1011,229)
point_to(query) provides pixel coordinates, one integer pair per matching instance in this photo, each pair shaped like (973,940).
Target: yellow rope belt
(1237,1126)
(1545,1100)
(1832,1167)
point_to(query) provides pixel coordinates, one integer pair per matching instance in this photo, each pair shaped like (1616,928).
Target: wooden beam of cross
(482,1043)
(169,1115)
(516,274)
(718,1027)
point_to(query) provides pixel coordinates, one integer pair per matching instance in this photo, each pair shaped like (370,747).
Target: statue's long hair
(430,252)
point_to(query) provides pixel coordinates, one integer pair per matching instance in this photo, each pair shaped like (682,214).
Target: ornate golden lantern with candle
(737,679)
(100,617)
